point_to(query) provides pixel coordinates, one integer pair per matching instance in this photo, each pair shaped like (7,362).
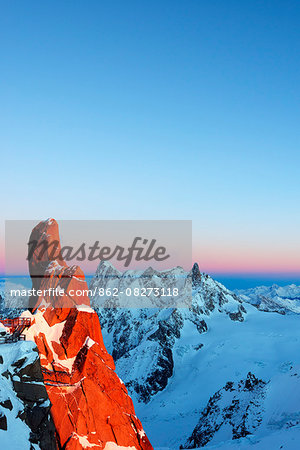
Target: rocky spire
(196,275)
(90,404)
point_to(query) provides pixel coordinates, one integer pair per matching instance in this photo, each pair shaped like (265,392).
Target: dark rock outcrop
(25,377)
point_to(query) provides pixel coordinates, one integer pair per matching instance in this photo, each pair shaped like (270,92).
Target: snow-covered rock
(233,412)
(252,413)
(265,344)
(10,305)
(175,360)
(142,340)
(25,421)
(281,299)
(156,288)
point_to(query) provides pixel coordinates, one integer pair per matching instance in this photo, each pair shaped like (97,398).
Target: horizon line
(213,273)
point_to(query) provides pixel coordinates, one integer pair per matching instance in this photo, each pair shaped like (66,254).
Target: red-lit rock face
(90,404)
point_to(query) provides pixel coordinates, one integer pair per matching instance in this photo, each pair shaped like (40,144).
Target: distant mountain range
(274,298)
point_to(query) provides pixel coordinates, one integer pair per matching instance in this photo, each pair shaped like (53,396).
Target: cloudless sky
(158,110)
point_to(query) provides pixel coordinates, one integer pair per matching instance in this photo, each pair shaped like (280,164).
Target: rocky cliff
(90,404)
(235,411)
(25,420)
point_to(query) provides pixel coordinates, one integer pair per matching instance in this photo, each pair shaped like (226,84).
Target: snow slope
(265,344)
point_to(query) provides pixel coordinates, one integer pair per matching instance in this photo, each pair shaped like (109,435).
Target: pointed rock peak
(90,406)
(44,249)
(149,272)
(46,230)
(106,268)
(251,381)
(196,275)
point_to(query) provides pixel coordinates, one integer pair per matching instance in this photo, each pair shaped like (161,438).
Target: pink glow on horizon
(207,265)
(248,258)
(222,261)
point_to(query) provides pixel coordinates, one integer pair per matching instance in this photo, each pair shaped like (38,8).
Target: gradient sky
(158,110)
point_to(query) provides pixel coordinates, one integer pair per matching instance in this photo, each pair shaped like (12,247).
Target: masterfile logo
(131,248)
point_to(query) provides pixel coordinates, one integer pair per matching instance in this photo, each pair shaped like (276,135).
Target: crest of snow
(53,334)
(114,446)
(84,442)
(2,327)
(80,279)
(66,388)
(120,380)
(43,305)
(67,363)
(85,308)
(142,433)
(89,342)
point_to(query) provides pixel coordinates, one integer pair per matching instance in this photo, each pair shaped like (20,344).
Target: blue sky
(157,110)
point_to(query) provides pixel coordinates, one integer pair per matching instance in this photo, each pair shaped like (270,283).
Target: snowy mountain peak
(106,268)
